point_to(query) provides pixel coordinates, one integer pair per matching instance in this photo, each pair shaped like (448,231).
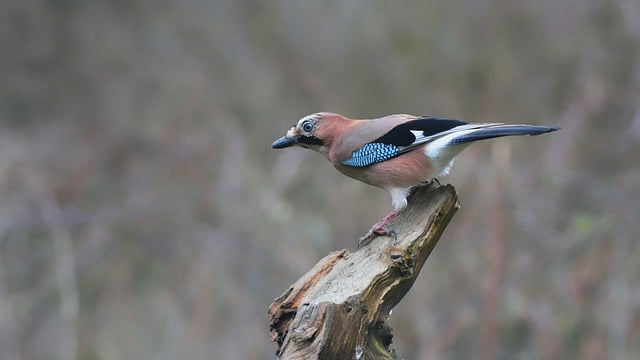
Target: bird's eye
(307,126)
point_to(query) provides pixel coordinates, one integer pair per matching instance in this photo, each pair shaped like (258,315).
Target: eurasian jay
(395,152)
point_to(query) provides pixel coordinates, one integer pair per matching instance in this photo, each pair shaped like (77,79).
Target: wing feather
(405,137)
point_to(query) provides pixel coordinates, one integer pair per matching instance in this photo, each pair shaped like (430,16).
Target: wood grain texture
(339,309)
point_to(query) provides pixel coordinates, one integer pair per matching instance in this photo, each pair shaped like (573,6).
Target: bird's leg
(379,229)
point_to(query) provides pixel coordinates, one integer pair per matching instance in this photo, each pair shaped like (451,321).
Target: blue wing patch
(372,153)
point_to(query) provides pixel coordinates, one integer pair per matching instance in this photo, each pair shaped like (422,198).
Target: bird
(394,152)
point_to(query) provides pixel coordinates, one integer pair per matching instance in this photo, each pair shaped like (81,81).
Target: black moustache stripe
(310,140)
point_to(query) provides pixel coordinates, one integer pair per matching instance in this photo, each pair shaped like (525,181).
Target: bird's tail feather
(499,131)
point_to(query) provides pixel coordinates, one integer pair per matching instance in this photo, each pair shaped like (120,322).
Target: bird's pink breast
(406,170)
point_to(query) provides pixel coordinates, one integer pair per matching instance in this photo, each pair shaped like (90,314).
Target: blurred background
(143,214)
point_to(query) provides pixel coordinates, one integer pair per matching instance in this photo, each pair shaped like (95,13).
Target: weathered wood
(339,309)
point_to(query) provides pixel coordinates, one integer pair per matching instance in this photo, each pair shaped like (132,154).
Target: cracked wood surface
(339,309)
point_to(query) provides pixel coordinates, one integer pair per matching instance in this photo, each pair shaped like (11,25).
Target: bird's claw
(373,233)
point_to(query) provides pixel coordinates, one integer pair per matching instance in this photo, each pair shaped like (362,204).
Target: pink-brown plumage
(395,152)
(406,170)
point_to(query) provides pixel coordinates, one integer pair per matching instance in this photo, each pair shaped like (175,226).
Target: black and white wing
(403,138)
(411,134)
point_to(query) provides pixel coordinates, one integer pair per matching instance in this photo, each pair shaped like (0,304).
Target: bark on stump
(339,309)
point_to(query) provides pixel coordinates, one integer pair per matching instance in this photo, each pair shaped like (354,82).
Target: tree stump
(340,308)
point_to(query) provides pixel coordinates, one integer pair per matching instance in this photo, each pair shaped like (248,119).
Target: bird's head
(314,132)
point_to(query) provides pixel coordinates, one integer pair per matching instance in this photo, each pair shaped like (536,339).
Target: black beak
(285,142)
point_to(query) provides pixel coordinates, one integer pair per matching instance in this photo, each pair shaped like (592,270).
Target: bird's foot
(431,181)
(379,229)
(375,232)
